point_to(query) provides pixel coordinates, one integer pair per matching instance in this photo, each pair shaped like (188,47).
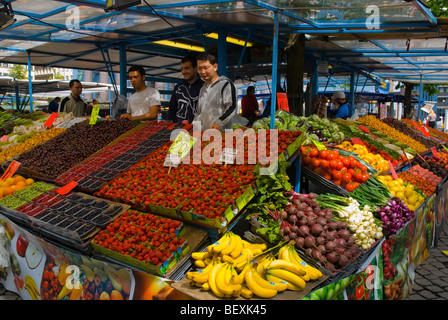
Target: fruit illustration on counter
(89,280)
(21,245)
(33,256)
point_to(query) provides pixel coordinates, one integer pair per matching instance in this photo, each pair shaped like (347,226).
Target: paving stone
(434,289)
(427,295)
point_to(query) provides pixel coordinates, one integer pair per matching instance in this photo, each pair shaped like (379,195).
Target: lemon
(400,195)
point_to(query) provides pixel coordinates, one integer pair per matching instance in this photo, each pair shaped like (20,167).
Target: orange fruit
(29,181)
(7,191)
(9,181)
(116,295)
(20,185)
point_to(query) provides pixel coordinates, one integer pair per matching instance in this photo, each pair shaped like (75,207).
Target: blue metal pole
(30,80)
(222,52)
(274,71)
(123,71)
(352,91)
(420,97)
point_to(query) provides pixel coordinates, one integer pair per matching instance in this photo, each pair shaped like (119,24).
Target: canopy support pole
(274,71)
(30,79)
(123,72)
(351,105)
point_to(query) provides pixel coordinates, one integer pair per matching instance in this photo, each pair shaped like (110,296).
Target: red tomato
(358,177)
(350,187)
(315,162)
(314,153)
(333,164)
(324,163)
(337,182)
(339,165)
(363,168)
(307,161)
(346,162)
(337,175)
(346,177)
(330,156)
(323,154)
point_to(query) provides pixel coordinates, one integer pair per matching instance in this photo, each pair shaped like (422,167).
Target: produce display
(36,139)
(414,134)
(232,267)
(110,162)
(375,160)
(394,216)
(361,222)
(433,132)
(391,132)
(144,237)
(406,191)
(344,171)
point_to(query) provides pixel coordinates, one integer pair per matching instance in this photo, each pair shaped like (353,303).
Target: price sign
(352,128)
(94,115)
(228,156)
(357,141)
(67,188)
(282,100)
(364,128)
(435,153)
(182,144)
(172,160)
(319,146)
(50,120)
(4,138)
(9,172)
(392,171)
(425,131)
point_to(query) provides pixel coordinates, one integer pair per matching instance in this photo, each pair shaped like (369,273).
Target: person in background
(184,100)
(53,106)
(74,103)
(432,118)
(249,105)
(144,103)
(339,105)
(218,99)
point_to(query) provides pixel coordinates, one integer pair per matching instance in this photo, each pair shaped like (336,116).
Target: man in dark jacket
(185,95)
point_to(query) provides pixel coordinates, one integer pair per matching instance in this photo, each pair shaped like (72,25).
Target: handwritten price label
(392,171)
(50,120)
(319,146)
(182,144)
(9,172)
(364,129)
(357,141)
(94,115)
(67,188)
(435,153)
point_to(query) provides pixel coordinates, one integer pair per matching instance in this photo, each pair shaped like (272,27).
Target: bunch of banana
(289,253)
(229,248)
(283,271)
(31,287)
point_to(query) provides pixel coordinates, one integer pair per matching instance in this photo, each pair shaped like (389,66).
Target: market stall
(155,210)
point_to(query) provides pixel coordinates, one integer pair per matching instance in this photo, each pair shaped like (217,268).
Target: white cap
(338,95)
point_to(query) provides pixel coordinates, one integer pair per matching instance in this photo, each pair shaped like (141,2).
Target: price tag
(228,156)
(364,128)
(352,128)
(357,141)
(50,120)
(95,112)
(446,149)
(319,145)
(67,188)
(172,160)
(282,100)
(4,138)
(425,131)
(415,124)
(9,172)
(182,144)
(392,171)
(435,153)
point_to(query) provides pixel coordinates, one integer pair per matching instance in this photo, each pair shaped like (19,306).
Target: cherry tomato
(337,175)
(323,154)
(339,165)
(315,162)
(346,177)
(333,164)
(350,187)
(314,153)
(324,163)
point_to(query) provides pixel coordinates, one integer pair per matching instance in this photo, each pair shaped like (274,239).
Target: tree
(19,71)
(439,8)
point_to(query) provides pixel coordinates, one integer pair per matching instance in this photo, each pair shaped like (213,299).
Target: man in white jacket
(218,99)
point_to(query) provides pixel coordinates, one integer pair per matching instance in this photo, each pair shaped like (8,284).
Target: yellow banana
(227,258)
(220,282)
(244,257)
(200,263)
(212,280)
(287,276)
(230,273)
(287,265)
(200,255)
(231,246)
(238,248)
(312,272)
(31,287)
(219,245)
(201,276)
(258,246)
(289,285)
(246,293)
(255,287)
(280,286)
(281,253)
(264,262)
(285,254)
(205,286)
(239,279)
